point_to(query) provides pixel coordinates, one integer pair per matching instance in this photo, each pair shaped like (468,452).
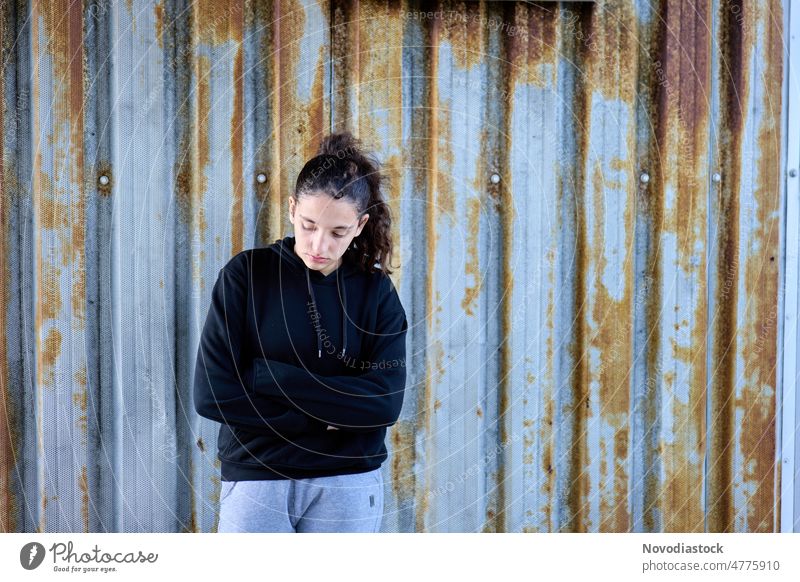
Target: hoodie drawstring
(343,289)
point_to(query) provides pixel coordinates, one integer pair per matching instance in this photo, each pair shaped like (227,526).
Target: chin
(315,266)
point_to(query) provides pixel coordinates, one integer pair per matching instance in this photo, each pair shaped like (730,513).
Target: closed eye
(310,228)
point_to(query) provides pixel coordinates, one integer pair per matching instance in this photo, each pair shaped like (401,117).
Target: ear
(361,223)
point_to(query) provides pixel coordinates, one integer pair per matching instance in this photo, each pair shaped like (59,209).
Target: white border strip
(790,514)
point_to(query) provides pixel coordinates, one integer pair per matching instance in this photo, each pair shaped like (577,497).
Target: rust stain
(218,22)
(611,339)
(734,41)
(63,209)
(191,180)
(83,485)
(650,199)
(577,493)
(542,49)
(445,193)
(345,35)
(203,156)
(79,291)
(236,148)
(76,252)
(757,401)
(56,35)
(611,35)
(472,266)
(393,169)
(403,459)
(53,214)
(64,33)
(430,154)
(680,68)
(467,28)
(51,349)
(216,490)
(50,292)
(374,72)
(158,15)
(315,123)
(192,525)
(549,484)
(273,53)
(687,67)
(79,399)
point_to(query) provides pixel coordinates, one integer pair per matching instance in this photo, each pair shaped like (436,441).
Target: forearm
(355,403)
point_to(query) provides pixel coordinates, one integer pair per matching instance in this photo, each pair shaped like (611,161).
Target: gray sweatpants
(339,503)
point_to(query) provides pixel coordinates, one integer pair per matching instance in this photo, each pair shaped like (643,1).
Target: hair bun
(341,145)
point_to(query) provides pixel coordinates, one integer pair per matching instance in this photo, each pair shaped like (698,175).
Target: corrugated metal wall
(588,204)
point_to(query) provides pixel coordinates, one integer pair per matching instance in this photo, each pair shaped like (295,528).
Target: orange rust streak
(735,41)
(83,485)
(687,71)
(758,399)
(158,15)
(427,397)
(76,245)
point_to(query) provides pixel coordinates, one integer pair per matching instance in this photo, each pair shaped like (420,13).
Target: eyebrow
(345,227)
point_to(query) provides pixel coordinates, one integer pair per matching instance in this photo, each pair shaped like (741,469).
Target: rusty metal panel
(58,479)
(14,179)
(530,188)
(143,437)
(742,468)
(588,233)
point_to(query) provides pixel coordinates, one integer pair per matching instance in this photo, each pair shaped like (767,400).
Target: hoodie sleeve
(361,403)
(222,380)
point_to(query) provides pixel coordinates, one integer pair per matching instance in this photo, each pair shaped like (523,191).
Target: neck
(328,270)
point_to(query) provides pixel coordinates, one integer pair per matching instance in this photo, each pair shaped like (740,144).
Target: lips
(318,259)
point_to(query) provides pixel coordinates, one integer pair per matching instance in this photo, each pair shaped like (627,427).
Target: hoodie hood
(285,249)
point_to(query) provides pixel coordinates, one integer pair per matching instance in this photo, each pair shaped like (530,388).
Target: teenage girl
(302,358)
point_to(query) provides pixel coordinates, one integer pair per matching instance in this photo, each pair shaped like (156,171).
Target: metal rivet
(495,178)
(644,177)
(793,173)
(261,178)
(716,177)
(104,180)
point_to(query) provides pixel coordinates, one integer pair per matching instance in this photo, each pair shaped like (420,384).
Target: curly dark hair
(343,169)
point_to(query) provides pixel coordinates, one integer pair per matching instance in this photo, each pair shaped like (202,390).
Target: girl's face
(324,227)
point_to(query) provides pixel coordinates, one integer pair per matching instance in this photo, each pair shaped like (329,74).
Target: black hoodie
(304,371)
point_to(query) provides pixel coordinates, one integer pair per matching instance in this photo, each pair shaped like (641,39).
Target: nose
(317,245)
